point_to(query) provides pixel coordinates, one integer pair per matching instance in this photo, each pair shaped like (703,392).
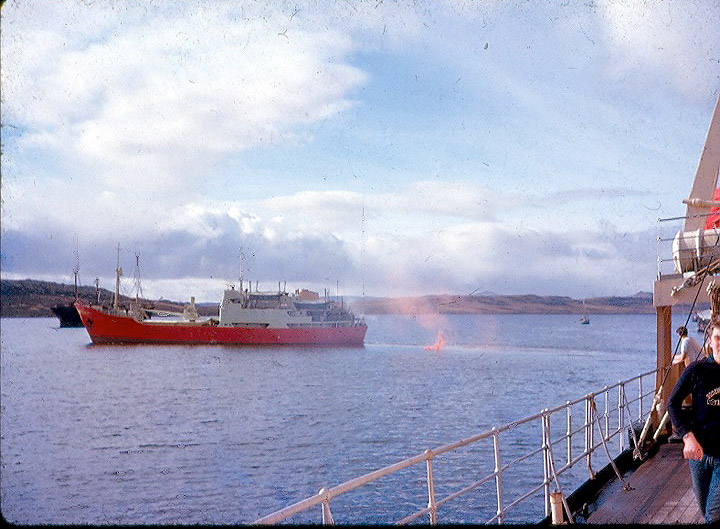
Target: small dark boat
(68,315)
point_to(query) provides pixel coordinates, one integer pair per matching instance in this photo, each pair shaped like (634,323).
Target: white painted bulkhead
(277,311)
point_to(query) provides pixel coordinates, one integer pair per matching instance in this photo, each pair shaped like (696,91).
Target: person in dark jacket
(700,425)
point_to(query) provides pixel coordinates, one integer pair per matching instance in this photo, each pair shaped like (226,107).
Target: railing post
(607,412)
(587,432)
(657,246)
(640,399)
(327,517)
(546,460)
(498,476)
(621,414)
(431,488)
(589,440)
(568,409)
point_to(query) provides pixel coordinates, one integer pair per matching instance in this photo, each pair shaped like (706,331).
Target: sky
(364,148)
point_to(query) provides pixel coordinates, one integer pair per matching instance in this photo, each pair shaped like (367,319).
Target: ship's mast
(118,273)
(136,278)
(76,269)
(241,269)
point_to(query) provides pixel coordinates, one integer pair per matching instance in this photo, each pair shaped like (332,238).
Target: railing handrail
(326,494)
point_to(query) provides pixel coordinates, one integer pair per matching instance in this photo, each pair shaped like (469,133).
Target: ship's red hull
(105,328)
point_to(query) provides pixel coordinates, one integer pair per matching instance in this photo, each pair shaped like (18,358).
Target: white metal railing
(326,324)
(601,412)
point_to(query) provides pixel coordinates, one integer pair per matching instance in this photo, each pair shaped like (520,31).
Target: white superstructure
(280,310)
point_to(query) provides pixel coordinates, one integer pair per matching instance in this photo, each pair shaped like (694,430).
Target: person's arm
(682,355)
(683,388)
(697,351)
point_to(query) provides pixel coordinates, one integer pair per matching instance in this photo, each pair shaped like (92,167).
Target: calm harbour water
(196,434)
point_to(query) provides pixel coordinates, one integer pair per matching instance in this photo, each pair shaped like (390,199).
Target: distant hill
(30,298)
(640,303)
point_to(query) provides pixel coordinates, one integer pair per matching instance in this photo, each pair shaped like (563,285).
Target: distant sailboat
(584,319)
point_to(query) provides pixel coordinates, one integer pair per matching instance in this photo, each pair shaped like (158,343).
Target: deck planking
(661,493)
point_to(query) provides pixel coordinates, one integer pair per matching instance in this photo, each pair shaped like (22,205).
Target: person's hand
(691,448)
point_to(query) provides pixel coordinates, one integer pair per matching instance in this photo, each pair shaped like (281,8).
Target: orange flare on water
(438,343)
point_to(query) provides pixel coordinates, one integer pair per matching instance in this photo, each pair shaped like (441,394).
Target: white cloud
(314,234)
(675,40)
(119,117)
(491,257)
(155,100)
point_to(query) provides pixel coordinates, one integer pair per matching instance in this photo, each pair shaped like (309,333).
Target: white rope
(636,449)
(596,419)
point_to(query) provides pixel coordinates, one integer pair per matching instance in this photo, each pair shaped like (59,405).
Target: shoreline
(34,298)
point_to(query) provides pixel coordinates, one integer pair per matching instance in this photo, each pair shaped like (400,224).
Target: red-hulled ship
(245,318)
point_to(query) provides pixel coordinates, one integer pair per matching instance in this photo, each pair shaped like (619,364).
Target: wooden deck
(661,494)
